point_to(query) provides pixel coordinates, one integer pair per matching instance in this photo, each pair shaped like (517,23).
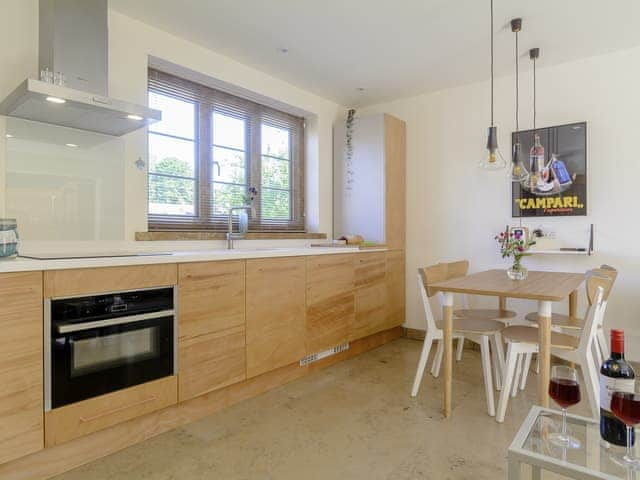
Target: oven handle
(77,327)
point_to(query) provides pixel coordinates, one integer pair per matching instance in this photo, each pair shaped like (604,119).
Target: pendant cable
(492,63)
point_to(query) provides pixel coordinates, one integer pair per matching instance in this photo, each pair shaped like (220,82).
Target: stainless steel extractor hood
(74,40)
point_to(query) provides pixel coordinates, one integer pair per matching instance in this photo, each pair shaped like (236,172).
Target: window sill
(204,235)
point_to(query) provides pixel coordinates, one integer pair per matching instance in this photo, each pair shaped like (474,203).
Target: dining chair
(523,340)
(574,325)
(502,314)
(480,330)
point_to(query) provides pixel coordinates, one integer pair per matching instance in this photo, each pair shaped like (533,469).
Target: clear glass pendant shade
(492,158)
(518,171)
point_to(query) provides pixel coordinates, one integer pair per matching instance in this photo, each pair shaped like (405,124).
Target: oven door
(87,362)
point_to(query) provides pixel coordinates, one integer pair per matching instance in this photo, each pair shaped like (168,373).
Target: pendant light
(518,171)
(492,159)
(536,154)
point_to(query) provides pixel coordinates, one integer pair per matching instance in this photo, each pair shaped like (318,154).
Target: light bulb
(492,159)
(518,171)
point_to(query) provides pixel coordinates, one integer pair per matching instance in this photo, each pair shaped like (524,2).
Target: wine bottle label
(608,385)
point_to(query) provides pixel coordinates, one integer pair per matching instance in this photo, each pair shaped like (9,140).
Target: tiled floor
(354,420)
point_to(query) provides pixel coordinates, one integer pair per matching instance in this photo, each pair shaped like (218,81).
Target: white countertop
(26,264)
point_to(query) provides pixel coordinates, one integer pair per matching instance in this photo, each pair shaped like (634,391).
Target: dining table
(546,288)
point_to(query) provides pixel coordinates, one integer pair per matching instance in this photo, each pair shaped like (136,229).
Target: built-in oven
(102,343)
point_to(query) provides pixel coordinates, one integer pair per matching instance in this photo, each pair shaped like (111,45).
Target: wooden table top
(546,286)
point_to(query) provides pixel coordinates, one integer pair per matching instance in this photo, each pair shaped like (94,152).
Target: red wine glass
(626,406)
(565,390)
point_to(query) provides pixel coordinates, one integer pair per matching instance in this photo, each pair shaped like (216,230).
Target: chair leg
(486,371)
(435,367)
(422,363)
(525,370)
(597,354)
(516,376)
(507,380)
(498,359)
(537,363)
(459,349)
(602,344)
(590,376)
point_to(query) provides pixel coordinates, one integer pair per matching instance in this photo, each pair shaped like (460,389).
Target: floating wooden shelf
(559,252)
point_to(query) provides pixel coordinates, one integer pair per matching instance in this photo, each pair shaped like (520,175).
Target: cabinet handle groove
(152,398)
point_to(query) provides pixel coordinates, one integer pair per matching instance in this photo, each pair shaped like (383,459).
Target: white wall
(454,209)
(131,43)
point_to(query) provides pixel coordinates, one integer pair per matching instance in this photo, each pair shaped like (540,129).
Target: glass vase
(517,272)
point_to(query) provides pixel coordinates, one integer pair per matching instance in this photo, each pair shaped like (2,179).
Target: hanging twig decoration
(348,158)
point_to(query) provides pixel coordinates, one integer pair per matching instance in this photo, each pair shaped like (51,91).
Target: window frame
(208,101)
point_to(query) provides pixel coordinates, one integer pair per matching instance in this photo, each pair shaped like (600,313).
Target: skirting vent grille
(314,357)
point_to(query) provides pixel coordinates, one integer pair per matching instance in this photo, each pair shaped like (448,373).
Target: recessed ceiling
(390,48)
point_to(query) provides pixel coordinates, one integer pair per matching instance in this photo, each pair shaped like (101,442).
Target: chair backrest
(422,288)
(607,271)
(598,290)
(439,272)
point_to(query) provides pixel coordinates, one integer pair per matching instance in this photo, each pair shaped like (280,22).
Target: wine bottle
(615,375)
(536,161)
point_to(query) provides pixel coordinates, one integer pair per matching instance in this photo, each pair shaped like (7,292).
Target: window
(210,148)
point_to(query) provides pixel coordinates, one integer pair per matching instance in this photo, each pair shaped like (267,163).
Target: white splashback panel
(358,189)
(57,192)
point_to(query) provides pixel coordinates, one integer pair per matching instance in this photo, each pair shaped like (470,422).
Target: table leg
(513,469)
(502,303)
(573,303)
(535,472)
(544,340)
(447,317)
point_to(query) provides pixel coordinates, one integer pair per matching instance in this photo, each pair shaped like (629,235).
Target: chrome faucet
(243,227)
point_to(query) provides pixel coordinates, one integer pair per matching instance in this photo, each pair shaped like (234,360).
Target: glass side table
(590,462)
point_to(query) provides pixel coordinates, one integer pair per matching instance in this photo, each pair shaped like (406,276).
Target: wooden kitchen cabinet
(395,280)
(275,313)
(211,326)
(21,368)
(88,416)
(370,295)
(87,281)
(330,301)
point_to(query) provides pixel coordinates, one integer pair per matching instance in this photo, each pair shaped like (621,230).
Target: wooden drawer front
(81,281)
(395,279)
(330,301)
(371,311)
(211,361)
(211,297)
(21,369)
(275,313)
(370,268)
(87,416)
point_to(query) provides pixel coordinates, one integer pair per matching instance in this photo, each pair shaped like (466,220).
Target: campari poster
(557,167)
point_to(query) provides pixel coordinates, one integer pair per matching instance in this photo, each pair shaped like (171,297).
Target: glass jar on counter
(8,237)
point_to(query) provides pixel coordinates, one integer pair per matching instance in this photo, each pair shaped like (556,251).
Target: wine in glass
(626,406)
(565,390)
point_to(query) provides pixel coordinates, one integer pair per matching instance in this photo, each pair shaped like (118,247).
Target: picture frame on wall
(557,183)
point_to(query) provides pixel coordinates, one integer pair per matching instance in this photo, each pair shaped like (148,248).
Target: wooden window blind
(210,148)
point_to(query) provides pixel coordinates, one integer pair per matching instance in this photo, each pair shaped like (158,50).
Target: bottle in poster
(560,171)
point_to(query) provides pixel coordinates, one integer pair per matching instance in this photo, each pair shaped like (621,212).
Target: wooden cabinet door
(330,301)
(275,313)
(211,326)
(21,368)
(395,278)
(370,295)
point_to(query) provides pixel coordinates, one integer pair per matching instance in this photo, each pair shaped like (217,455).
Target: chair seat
(520,334)
(471,325)
(485,313)
(559,320)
